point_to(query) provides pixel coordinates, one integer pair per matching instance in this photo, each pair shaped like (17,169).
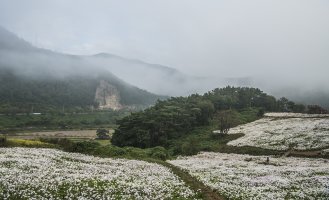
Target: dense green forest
(169,120)
(60,121)
(22,94)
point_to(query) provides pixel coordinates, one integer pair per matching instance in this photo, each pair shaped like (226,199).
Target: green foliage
(158,153)
(84,146)
(64,143)
(226,120)
(246,115)
(167,119)
(260,113)
(3,141)
(248,150)
(112,151)
(24,94)
(102,134)
(94,148)
(26,143)
(61,121)
(206,140)
(190,147)
(177,117)
(241,97)
(284,105)
(315,109)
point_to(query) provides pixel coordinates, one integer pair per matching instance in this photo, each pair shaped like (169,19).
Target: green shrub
(84,147)
(64,143)
(3,141)
(117,151)
(102,134)
(190,147)
(159,153)
(136,152)
(260,112)
(111,151)
(28,143)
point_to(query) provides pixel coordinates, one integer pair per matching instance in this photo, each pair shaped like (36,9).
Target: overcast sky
(201,37)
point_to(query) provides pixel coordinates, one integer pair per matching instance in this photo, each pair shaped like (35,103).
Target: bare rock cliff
(108,96)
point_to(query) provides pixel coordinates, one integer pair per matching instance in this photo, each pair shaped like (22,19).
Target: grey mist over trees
(279,46)
(43,78)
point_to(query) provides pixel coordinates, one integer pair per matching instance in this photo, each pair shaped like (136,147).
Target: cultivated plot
(246,177)
(52,174)
(283,131)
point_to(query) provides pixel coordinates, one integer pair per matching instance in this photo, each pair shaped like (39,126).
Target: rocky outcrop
(107,96)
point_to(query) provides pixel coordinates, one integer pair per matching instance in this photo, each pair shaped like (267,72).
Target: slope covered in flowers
(282,131)
(52,174)
(250,177)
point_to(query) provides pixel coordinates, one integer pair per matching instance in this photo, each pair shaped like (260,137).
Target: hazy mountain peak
(9,41)
(136,61)
(35,75)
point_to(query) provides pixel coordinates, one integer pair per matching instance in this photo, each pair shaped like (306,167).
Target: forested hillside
(41,79)
(20,93)
(177,117)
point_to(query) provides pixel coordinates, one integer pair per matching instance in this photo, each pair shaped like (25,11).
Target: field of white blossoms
(27,173)
(282,131)
(246,177)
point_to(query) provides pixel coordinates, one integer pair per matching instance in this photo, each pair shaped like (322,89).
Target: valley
(164,100)
(182,144)
(206,175)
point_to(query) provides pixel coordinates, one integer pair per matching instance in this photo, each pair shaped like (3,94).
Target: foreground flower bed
(52,174)
(282,131)
(251,177)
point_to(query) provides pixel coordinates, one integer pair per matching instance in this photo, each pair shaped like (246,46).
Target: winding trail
(205,192)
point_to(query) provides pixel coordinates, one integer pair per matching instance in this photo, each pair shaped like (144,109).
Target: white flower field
(34,173)
(27,173)
(247,177)
(283,131)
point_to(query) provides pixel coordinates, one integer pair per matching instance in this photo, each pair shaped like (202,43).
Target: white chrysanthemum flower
(52,174)
(251,177)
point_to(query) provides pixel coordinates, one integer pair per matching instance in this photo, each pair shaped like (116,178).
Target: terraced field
(283,131)
(78,134)
(27,173)
(247,177)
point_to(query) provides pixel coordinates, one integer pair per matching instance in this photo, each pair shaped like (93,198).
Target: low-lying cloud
(280,46)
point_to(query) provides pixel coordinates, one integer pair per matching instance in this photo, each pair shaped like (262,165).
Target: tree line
(177,116)
(25,94)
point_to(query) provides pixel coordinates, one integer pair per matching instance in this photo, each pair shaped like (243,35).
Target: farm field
(239,176)
(285,131)
(76,134)
(56,121)
(27,173)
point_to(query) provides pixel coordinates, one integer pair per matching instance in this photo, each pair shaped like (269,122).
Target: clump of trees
(3,141)
(225,122)
(102,134)
(284,105)
(166,120)
(315,109)
(177,116)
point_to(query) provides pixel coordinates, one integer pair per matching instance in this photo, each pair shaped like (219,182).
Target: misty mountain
(169,81)
(30,75)
(161,79)
(30,61)
(153,77)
